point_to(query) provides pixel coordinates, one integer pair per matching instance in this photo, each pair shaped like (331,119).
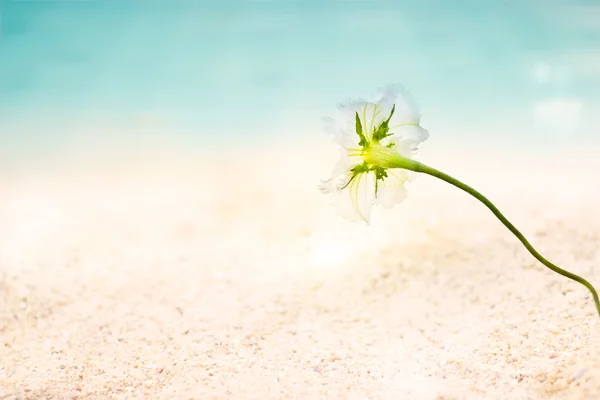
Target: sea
(208,73)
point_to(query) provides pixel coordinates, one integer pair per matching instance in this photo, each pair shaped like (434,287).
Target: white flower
(377,139)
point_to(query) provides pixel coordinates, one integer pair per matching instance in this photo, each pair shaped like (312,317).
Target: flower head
(376,138)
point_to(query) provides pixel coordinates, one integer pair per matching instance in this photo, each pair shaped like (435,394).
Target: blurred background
(219,73)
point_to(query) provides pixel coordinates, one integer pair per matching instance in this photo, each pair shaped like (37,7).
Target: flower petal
(343,205)
(407,109)
(386,98)
(415,133)
(407,138)
(356,200)
(341,173)
(342,123)
(362,194)
(391,190)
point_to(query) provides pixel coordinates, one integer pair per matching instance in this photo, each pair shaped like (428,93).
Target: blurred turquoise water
(242,71)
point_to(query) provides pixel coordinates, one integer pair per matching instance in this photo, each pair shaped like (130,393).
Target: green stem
(422,168)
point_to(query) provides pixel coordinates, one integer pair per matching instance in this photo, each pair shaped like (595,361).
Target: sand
(226,275)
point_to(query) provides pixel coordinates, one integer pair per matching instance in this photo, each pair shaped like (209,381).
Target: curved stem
(422,168)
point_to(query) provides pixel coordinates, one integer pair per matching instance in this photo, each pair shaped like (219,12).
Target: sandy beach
(227,275)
